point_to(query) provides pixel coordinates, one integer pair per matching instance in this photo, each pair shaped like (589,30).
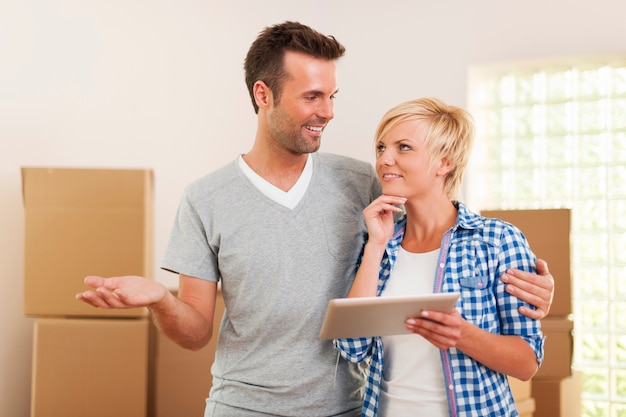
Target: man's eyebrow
(319,92)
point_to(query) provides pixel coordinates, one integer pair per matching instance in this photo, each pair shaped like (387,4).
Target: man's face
(306,105)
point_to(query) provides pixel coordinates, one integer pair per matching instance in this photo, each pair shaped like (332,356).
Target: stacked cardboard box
(548,232)
(182,378)
(90,367)
(80,222)
(559,397)
(522,395)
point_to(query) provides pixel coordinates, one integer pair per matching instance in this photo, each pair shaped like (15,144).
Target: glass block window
(553,135)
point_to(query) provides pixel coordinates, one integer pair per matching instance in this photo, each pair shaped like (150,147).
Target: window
(553,135)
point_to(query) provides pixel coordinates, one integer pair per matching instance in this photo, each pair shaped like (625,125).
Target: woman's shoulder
(491,228)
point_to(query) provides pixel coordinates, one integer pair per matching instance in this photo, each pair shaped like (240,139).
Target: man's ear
(262,94)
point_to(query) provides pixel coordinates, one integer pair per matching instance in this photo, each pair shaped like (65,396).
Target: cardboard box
(182,377)
(558,397)
(558,348)
(548,232)
(90,367)
(526,407)
(521,389)
(81,222)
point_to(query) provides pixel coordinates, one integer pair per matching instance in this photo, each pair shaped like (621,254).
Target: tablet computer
(379,316)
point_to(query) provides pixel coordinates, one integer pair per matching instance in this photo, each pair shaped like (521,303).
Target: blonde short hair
(450,135)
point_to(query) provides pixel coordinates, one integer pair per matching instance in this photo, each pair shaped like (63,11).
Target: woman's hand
(441,329)
(379,218)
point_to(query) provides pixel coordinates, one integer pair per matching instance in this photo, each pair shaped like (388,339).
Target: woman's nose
(386,157)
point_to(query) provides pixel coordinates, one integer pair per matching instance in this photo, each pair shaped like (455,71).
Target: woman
(458,366)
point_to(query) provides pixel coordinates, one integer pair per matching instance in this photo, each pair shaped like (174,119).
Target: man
(281,227)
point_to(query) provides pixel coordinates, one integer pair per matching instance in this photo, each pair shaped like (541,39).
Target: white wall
(159,84)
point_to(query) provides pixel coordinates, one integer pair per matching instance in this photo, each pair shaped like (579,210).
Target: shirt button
(450,387)
(441,265)
(480,284)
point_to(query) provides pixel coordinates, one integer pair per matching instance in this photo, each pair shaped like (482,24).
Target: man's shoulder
(342,162)
(220,178)
(345,173)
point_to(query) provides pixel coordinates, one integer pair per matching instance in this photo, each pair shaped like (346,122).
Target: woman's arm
(380,224)
(510,355)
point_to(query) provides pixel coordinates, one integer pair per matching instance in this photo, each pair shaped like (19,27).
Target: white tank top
(412,383)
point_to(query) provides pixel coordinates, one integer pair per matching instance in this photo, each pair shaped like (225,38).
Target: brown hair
(264,60)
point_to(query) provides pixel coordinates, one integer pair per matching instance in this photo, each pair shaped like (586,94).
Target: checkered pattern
(476,252)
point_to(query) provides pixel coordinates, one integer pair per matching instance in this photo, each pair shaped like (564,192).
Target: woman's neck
(426,225)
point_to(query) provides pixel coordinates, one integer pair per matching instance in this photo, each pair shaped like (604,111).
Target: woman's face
(403,161)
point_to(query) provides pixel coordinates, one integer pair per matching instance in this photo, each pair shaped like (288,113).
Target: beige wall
(159,84)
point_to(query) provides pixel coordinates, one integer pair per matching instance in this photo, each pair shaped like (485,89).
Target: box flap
(557,324)
(84,188)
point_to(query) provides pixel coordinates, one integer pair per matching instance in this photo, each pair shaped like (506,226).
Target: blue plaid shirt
(474,255)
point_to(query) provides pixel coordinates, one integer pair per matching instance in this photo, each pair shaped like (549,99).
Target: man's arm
(187,320)
(535,289)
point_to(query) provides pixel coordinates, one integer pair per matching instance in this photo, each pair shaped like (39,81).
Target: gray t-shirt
(278,268)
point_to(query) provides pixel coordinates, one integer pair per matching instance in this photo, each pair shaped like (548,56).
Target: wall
(159,84)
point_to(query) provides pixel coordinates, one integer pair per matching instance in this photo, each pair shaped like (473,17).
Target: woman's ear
(445,166)
(262,94)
